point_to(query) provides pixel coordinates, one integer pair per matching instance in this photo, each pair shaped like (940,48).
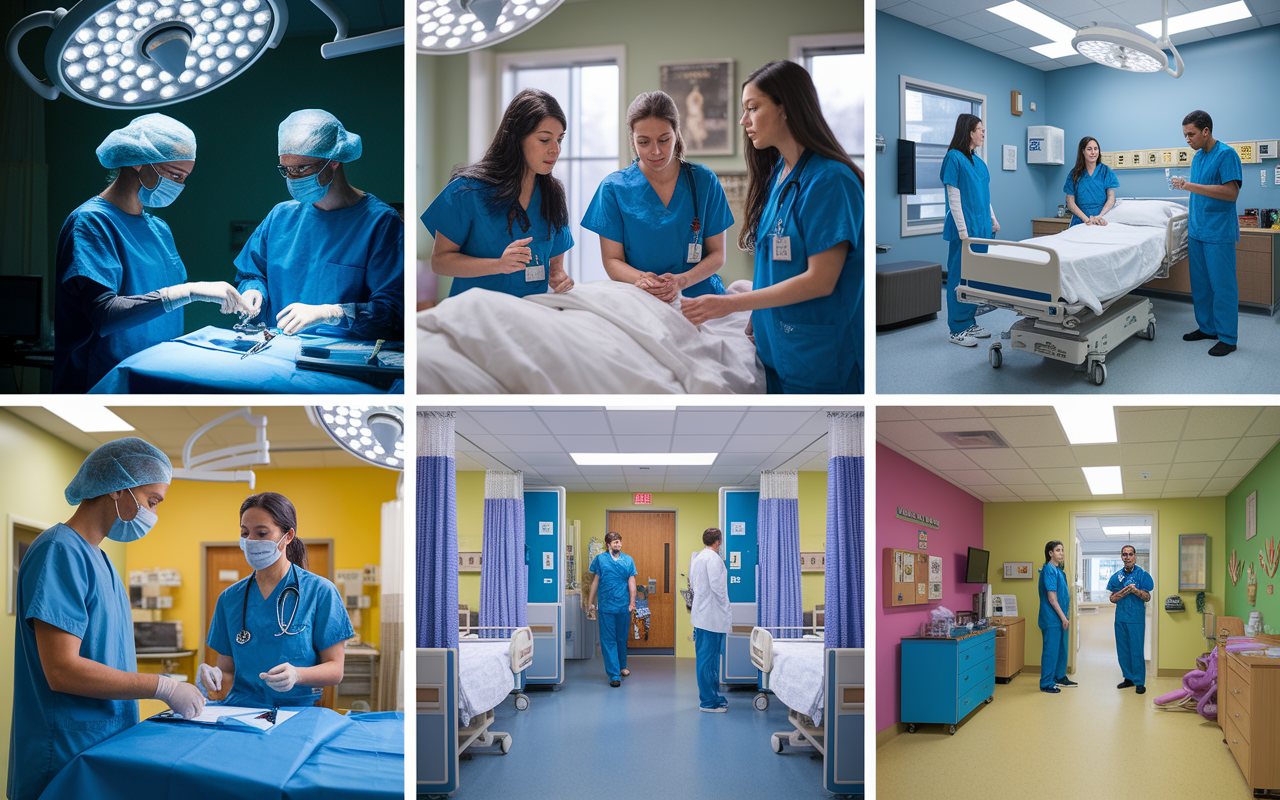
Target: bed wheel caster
(761,701)
(504,744)
(776,743)
(952,730)
(989,699)
(1151,331)
(911,727)
(522,703)
(994,356)
(1098,373)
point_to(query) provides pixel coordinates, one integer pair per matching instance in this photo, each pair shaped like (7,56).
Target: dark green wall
(1265,480)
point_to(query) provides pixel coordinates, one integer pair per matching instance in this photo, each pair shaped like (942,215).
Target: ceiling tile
(754,444)
(1221,486)
(773,422)
(1163,425)
(1219,422)
(636,423)
(1204,450)
(1040,457)
(1267,424)
(969,477)
(995,459)
(1066,475)
(740,459)
(707,422)
(914,12)
(942,412)
(1035,491)
(1158,472)
(892,413)
(587,444)
(1096,455)
(579,423)
(1014,477)
(1175,495)
(911,436)
(1254,447)
(1030,431)
(548,459)
(1197,469)
(1148,453)
(959,424)
(1147,487)
(657,443)
(1236,468)
(1185,485)
(523,443)
(991,412)
(509,421)
(947,459)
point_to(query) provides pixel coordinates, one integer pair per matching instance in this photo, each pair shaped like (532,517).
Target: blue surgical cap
(315,132)
(149,139)
(122,464)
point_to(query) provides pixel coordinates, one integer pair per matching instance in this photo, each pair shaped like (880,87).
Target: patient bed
(1072,289)
(792,670)
(487,670)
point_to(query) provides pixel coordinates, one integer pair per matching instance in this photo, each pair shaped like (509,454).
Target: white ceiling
(1189,452)
(1090,532)
(969,21)
(539,440)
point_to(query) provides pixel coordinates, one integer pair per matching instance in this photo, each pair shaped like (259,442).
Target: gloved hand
(206,292)
(252,302)
(281,678)
(208,677)
(181,697)
(297,317)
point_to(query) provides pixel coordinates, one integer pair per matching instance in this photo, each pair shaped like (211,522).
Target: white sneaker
(977,331)
(715,710)
(964,339)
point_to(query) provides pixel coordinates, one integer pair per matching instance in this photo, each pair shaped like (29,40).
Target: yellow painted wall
(1018,532)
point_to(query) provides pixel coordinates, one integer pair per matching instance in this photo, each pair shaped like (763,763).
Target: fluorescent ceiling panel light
(1200,19)
(644,459)
(90,419)
(1088,424)
(655,407)
(1104,480)
(1055,49)
(1032,20)
(1127,530)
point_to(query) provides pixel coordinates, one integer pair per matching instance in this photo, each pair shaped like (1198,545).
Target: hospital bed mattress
(796,677)
(602,337)
(484,677)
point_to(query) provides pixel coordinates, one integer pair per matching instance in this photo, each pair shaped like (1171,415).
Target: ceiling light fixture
(1033,20)
(458,26)
(1126,530)
(1104,480)
(219,465)
(1085,424)
(1114,44)
(90,419)
(643,459)
(374,434)
(1203,18)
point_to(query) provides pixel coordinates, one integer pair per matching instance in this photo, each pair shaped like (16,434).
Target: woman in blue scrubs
(969,215)
(654,216)
(1054,619)
(1091,186)
(804,218)
(280,634)
(502,223)
(117,268)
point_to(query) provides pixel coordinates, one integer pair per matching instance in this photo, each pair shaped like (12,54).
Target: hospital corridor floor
(919,359)
(643,740)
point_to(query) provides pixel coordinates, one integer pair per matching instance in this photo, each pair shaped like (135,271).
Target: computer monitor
(20,306)
(976,571)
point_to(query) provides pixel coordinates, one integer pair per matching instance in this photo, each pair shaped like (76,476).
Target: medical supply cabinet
(944,680)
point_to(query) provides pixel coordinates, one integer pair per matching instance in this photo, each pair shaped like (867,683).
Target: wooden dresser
(1257,270)
(1048,226)
(1249,712)
(1011,647)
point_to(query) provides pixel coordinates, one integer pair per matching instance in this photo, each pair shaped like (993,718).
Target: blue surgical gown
(1212,220)
(613,595)
(1131,609)
(130,255)
(353,255)
(974,182)
(69,584)
(814,346)
(1091,190)
(656,238)
(463,214)
(321,622)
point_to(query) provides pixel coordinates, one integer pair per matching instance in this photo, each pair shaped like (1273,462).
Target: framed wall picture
(468,562)
(813,562)
(1014,570)
(707,98)
(1010,153)
(1251,516)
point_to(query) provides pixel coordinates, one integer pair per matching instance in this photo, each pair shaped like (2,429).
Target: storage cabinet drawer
(1239,747)
(1257,243)
(1238,714)
(975,676)
(975,697)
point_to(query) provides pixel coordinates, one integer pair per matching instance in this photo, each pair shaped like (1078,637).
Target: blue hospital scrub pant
(1214,290)
(959,315)
(613,642)
(1129,649)
(706,649)
(1053,657)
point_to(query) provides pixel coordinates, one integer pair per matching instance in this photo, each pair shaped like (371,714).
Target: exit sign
(645,499)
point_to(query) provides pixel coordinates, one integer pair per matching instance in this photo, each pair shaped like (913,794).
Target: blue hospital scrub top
(130,255)
(1131,608)
(1212,220)
(1091,190)
(974,182)
(814,346)
(300,254)
(613,596)
(462,213)
(71,585)
(322,621)
(656,238)
(1052,579)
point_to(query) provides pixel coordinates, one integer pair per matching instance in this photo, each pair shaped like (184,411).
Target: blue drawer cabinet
(944,680)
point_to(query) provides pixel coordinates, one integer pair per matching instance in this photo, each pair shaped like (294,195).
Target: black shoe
(1127,683)
(1065,683)
(1142,690)
(1050,689)
(615,683)
(1196,336)
(1222,349)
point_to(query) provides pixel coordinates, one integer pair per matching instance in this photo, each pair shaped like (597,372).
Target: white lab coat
(709,579)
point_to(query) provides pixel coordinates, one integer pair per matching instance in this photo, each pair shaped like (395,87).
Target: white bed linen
(603,337)
(796,677)
(484,677)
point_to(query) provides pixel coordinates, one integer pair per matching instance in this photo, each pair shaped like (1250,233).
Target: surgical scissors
(253,329)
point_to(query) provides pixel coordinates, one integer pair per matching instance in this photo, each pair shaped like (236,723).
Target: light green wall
(1018,532)
(751,32)
(1265,480)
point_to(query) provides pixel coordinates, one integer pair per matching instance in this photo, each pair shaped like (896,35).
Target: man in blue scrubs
(709,580)
(1214,230)
(615,581)
(1130,590)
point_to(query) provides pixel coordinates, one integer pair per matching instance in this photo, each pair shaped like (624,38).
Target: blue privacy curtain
(846,531)
(437,532)
(504,577)
(778,600)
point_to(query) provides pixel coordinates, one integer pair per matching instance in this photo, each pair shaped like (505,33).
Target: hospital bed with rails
(457,691)
(824,690)
(1072,289)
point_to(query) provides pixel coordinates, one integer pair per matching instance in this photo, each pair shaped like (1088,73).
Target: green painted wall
(1265,480)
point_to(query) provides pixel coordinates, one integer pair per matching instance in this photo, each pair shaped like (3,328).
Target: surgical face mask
(260,553)
(166,191)
(308,190)
(134,529)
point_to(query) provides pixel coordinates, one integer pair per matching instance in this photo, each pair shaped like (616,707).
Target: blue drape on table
(778,600)
(504,576)
(846,531)
(437,532)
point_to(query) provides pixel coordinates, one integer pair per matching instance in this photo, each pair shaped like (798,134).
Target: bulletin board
(905,578)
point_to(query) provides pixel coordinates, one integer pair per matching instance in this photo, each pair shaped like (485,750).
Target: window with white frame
(587,86)
(928,113)
(840,70)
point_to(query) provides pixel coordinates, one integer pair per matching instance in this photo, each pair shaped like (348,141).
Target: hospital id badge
(695,254)
(534,273)
(781,248)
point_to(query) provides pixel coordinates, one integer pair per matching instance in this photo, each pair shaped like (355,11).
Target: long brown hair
(789,85)
(285,516)
(1080,166)
(655,105)
(962,138)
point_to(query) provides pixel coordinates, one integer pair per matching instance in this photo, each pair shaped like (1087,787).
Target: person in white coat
(709,580)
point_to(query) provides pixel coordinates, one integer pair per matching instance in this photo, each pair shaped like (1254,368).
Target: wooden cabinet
(1048,226)
(944,680)
(1011,647)
(1257,271)
(1249,712)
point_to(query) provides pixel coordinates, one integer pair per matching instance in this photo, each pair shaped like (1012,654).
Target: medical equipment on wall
(286,628)
(374,434)
(457,26)
(1114,44)
(219,465)
(1045,144)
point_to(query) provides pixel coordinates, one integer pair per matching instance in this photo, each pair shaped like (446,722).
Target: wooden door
(649,537)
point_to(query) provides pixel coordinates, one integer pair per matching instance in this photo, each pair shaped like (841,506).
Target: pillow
(1151,213)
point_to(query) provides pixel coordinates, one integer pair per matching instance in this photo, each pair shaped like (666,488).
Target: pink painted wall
(900,482)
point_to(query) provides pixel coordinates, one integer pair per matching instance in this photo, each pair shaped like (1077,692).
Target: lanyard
(693,188)
(795,181)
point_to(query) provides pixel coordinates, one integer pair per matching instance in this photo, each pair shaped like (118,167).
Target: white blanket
(602,337)
(1099,262)
(796,677)
(484,677)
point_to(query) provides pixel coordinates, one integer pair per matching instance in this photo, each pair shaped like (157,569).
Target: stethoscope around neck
(244,636)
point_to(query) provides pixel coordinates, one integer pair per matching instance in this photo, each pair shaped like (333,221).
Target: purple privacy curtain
(778,600)
(504,577)
(846,531)
(437,532)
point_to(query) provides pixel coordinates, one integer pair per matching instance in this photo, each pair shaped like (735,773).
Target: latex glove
(221,292)
(183,698)
(560,281)
(252,302)
(281,678)
(297,317)
(208,677)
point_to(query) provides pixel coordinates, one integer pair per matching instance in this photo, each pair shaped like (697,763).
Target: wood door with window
(649,537)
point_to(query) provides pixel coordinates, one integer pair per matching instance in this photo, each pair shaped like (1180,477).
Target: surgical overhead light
(457,26)
(1121,46)
(374,434)
(219,466)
